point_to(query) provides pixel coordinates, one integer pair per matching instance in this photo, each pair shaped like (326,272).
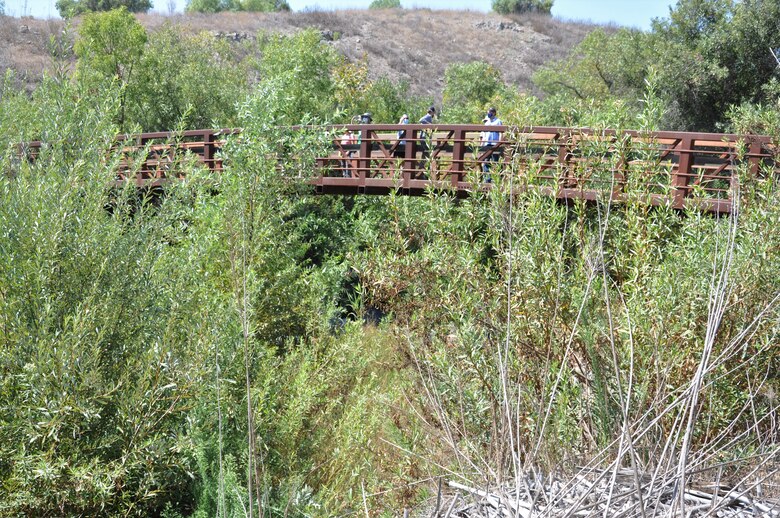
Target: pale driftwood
(596,495)
(452,505)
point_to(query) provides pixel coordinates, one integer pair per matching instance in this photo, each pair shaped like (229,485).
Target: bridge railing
(151,159)
(667,167)
(674,168)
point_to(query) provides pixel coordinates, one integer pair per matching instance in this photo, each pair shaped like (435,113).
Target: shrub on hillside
(109,49)
(196,80)
(215,6)
(469,88)
(385,4)
(71,8)
(522,6)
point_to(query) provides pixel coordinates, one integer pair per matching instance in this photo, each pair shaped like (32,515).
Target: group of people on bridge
(488,142)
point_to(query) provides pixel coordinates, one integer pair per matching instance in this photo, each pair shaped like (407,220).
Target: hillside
(413,45)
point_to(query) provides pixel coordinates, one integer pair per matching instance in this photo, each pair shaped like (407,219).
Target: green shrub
(109,48)
(71,8)
(98,358)
(195,81)
(522,6)
(215,6)
(385,4)
(469,88)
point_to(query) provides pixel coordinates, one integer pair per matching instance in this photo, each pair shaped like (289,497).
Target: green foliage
(691,21)
(758,119)
(302,64)
(522,6)
(708,55)
(201,351)
(733,41)
(209,6)
(263,5)
(350,82)
(128,331)
(388,100)
(469,88)
(355,93)
(94,342)
(182,79)
(71,8)
(385,4)
(109,49)
(602,66)
(110,44)
(581,314)
(215,6)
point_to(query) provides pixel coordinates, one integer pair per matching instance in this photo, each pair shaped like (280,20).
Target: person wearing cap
(489,142)
(423,137)
(428,117)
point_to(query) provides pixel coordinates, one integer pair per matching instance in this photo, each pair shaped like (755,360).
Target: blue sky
(634,13)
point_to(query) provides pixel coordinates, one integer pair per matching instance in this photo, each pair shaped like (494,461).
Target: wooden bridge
(682,170)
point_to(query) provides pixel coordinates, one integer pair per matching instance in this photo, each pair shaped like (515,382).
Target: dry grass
(661,453)
(415,45)
(24,47)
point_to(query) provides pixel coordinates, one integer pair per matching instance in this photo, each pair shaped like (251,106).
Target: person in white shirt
(490,141)
(400,149)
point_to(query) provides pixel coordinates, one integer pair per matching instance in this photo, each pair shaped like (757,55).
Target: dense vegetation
(236,346)
(709,57)
(522,6)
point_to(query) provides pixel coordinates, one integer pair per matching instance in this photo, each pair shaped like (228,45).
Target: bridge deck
(676,168)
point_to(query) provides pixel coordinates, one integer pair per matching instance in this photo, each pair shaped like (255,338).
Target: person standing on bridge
(400,148)
(348,144)
(490,142)
(428,117)
(422,143)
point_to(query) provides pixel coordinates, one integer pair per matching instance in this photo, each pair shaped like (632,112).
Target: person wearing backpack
(400,148)
(423,137)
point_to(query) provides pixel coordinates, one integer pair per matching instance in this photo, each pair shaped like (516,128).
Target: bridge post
(754,157)
(458,156)
(621,171)
(682,176)
(208,150)
(364,158)
(139,177)
(410,152)
(564,148)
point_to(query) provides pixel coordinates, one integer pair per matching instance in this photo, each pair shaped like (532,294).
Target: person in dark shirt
(423,142)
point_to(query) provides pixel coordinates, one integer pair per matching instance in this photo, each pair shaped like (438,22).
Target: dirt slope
(411,44)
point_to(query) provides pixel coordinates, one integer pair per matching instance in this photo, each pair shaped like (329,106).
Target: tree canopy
(215,6)
(385,4)
(522,6)
(708,55)
(71,8)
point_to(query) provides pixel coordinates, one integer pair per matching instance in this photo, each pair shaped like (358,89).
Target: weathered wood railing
(674,168)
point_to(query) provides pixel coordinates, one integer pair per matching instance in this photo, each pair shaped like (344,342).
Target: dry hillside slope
(404,44)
